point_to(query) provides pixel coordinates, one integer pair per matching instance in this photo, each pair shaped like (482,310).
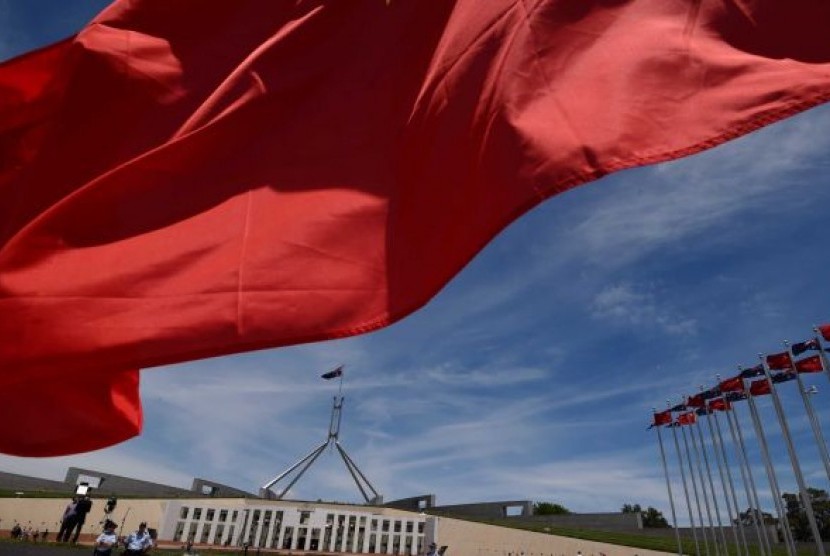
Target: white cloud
(621,303)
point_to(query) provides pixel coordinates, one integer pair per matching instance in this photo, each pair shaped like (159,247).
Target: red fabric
(695,401)
(810,364)
(779,361)
(719,404)
(687,418)
(71,414)
(662,418)
(759,387)
(825,331)
(734,384)
(188,179)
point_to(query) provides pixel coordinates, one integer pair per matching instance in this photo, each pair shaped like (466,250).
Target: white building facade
(300,526)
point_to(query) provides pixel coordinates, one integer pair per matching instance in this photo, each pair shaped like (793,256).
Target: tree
(549,508)
(751,515)
(654,518)
(797,516)
(651,516)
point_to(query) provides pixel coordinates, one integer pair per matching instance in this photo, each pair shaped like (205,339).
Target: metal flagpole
(731,483)
(783,520)
(668,487)
(799,477)
(703,488)
(754,489)
(723,481)
(712,488)
(695,491)
(808,407)
(685,486)
(821,351)
(746,477)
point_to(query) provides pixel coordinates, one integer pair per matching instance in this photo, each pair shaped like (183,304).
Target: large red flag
(188,179)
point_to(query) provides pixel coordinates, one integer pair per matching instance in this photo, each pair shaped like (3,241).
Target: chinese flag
(779,361)
(687,418)
(759,387)
(188,179)
(662,418)
(733,384)
(810,364)
(719,404)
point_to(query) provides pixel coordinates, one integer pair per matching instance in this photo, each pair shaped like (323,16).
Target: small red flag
(810,364)
(662,418)
(779,361)
(190,179)
(696,401)
(759,387)
(688,418)
(719,404)
(734,384)
(824,329)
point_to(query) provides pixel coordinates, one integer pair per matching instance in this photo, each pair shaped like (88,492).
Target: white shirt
(139,541)
(106,541)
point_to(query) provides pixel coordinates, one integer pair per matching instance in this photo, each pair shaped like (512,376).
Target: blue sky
(533,373)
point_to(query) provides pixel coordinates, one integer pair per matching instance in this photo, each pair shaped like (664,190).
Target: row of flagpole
(696,472)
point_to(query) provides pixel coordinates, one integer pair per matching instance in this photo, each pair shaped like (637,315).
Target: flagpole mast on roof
(333,441)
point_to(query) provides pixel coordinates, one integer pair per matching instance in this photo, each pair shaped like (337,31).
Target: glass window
(209,514)
(223,516)
(304,518)
(287,537)
(302,535)
(233,515)
(183,512)
(177,536)
(385,525)
(408,526)
(217,539)
(420,527)
(397,526)
(374,525)
(197,514)
(205,533)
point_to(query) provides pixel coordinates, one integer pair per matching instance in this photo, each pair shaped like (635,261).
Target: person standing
(139,542)
(107,540)
(68,520)
(82,508)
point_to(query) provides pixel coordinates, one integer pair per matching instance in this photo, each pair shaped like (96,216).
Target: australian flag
(757,370)
(801,347)
(333,374)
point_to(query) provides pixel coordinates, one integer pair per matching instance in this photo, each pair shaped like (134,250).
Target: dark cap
(143,524)
(109,524)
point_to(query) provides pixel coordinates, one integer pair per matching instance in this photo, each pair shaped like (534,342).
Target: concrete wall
(484,510)
(45,514)
(413,504)
(12,482)
(203,487)
(117,485)
(465,538)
